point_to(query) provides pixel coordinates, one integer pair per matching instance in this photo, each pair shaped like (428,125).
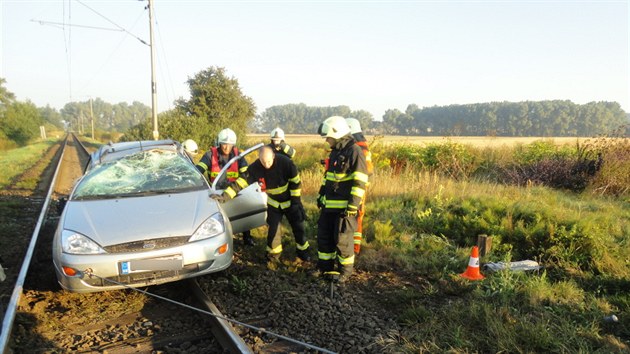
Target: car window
(142,173)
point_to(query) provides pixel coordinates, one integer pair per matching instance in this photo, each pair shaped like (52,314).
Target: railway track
(274,311)
(40,317)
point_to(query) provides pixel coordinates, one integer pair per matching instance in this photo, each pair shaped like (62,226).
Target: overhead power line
(113,23)
(75,25)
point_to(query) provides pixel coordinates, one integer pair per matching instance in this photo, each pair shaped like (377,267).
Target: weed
(238,286)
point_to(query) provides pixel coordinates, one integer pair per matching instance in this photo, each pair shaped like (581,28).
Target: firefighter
(279,177)
(191,148)
(214,160)
(278,144)
(357,134)
(340,198)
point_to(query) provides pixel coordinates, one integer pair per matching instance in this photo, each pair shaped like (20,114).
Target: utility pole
(156,134)
(92,117)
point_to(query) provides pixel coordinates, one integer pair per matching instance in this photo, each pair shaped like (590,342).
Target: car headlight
(75,243)
(213,226)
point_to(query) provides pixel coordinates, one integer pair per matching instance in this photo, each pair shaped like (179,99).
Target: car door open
(248,209)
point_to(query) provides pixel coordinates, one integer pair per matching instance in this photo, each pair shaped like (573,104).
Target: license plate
(175,262)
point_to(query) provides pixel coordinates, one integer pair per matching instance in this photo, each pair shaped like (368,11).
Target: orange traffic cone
(472,272)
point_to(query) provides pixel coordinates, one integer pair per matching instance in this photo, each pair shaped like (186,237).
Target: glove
(321,202)
(219,198)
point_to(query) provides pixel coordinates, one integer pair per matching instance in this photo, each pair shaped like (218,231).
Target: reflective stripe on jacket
(215,168)
(343,186)
(281,181)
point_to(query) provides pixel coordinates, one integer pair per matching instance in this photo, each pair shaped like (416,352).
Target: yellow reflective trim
(346,261)
(229,191)
(241,182)
(242,169)
(338,177)
(278,190)
(352,207)
(277,204)
(326,256)
(336,204)
(214,174)
(275,250)
(296,192)
(302,247)
(360,176)
(359,192)
(203,165)
(273,203)
(295,179)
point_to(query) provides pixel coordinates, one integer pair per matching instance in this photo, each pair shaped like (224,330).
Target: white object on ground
(2,275)
(519,266)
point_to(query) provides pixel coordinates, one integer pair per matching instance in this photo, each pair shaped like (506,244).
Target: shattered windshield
(143,173)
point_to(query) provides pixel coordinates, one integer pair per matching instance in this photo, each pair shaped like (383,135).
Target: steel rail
(222,329)
(9,316)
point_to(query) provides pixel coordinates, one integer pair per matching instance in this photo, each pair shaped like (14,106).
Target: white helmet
(227,136)
(190,146)
(277,134)
(354,124)
(334,127)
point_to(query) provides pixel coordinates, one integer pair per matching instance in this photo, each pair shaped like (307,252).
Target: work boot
(248,240)
(345,273)
(303,255)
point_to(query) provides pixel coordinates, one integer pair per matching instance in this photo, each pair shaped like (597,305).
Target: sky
(368,55)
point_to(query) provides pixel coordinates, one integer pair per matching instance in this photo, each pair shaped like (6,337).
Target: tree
(50,115)
(217,99)
(20,122)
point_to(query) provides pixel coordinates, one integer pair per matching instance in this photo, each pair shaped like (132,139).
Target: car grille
(147,245)
(147,278)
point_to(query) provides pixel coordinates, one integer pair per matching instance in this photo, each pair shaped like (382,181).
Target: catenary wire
(89,273)
(168,71)
(113,23)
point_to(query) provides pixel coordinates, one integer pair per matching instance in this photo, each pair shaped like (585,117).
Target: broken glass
(142,173)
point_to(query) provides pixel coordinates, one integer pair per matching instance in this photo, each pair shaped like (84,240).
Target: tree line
(529,118)
(20,120)
(216,101)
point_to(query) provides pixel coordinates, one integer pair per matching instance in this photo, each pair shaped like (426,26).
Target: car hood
(114,221)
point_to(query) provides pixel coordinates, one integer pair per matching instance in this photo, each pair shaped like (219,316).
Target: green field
(15,161)
(421,223)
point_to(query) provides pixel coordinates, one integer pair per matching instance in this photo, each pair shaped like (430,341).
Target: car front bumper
(102,272)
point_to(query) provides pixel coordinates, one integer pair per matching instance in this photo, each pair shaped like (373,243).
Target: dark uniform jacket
(281,182)
(283,148)
(344,182)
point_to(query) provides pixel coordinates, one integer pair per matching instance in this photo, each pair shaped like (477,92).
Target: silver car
(142,215)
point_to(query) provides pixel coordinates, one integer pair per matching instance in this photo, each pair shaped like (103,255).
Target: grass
(14,162)
(423,224)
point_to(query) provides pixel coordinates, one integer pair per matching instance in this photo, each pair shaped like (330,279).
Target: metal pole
(92,117)
(156,134)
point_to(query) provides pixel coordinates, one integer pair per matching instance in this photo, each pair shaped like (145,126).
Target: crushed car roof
(114,151)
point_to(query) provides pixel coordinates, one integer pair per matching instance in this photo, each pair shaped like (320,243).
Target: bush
(613,178)
(542,163)
(448,159)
